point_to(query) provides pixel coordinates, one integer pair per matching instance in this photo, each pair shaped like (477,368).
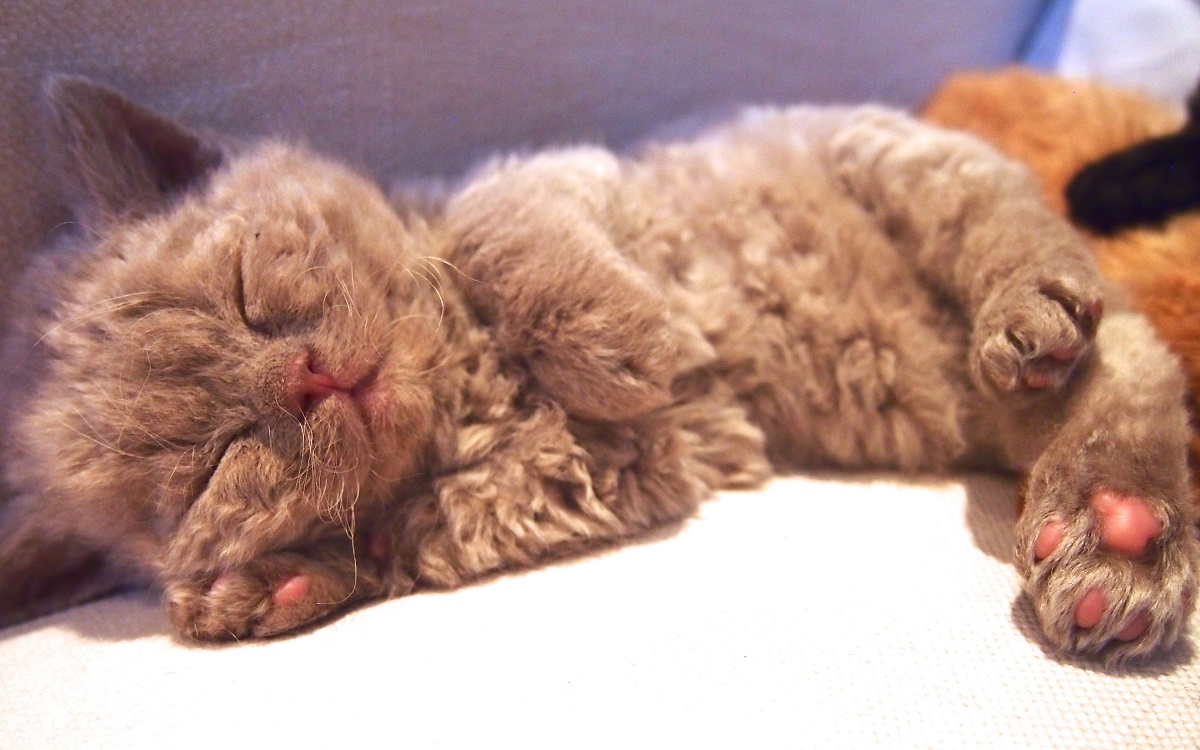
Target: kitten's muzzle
(306,384)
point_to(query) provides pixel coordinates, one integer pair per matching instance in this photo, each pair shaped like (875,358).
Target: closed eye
(239,291)
(239,299)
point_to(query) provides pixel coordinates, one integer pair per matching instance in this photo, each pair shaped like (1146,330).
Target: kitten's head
(244,351)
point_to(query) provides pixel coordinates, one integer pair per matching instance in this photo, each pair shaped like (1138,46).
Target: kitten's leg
(42,572)
(532,238)
(540,488)
(1107,540)
(274,593)
(232,570)
(974,224)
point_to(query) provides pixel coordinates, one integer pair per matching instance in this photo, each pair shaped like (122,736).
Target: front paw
(273,594)
(1114,574)
(1031,335)
(606,366)
(603,347)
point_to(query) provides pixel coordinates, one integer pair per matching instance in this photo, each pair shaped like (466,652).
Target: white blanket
(836,612)
(840,611)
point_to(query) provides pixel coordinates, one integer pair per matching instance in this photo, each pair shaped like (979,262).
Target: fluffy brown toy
(1058,126)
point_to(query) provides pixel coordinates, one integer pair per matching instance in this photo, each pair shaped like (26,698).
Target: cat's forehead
(272,242)
(272,196)
(276,176)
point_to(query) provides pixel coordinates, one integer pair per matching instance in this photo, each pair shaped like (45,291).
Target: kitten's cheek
(219,585)
(375,403)
(291,591)
(379,548)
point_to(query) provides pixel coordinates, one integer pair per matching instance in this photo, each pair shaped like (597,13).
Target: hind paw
(1031,336)
(1113,577)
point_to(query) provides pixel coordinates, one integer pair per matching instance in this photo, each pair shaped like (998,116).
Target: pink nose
(305,386)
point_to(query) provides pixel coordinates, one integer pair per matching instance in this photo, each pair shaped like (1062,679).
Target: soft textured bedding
(693,638)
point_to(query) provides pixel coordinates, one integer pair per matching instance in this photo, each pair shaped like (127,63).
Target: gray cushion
(423,87)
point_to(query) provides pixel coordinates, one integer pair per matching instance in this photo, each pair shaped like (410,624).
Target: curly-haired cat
(244,377)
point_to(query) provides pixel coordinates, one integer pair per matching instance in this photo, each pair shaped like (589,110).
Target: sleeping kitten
(246,379)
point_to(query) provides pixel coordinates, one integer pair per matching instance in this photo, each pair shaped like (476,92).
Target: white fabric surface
(822,612)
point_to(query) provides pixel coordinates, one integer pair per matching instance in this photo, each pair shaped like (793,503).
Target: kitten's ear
(131,160)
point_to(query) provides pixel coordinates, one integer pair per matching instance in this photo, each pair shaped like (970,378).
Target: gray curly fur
(572,348)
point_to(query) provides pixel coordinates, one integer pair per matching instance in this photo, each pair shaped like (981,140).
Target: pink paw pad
(1127,525)
(1135,627)
(220,583)
(1090,611)
(1050,368)
(292,591)
(1048,539)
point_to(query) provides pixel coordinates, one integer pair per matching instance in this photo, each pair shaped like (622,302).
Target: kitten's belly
(837,349)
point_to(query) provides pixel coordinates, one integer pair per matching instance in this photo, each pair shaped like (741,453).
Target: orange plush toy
(1059,126)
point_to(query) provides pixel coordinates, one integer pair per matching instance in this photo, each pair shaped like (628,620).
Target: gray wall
(420,87)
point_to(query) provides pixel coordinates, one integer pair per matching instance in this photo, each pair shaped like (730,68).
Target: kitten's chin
(398,422)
